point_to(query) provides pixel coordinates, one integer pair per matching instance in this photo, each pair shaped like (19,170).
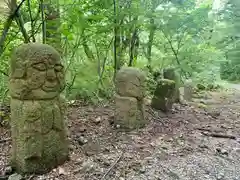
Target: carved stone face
(36,72)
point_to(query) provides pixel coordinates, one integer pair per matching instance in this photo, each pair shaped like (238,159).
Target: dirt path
(175,146)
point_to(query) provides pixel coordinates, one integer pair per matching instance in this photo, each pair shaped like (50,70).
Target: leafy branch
(7,24)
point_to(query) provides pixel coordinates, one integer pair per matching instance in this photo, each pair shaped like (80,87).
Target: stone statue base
(39,136)
(129,113)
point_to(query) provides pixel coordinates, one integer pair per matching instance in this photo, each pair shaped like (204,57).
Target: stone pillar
(188,90)
(129,100)
(170,73)
(39,134)
(164,95)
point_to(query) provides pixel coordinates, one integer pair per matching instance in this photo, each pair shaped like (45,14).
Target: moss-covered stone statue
(163,97)
(39,134)
(170,73)
(188,90)
(130,88)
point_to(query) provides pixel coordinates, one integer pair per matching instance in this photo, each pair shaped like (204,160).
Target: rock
(8,170)
(98,120)
(106,163)
(220,176)
(171,74)
(222,151)
(188,90)
(118,126)
(164,97)
(111,120)
(81,140)
(88,166)
(203,146)
(142,170)
(91,148)
(71,147)
(61,171)
(15,176)
(200,87)
(82,129)
(237,150)
(214,113)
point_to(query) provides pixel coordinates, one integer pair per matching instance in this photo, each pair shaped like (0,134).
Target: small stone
(15,176)
(111,120)
(82,129)
(220,176)
(238,140)
(81,140)
(106,163)
(61,171)
(106,149)
(142,170)
(222,151)
(98,120)
(203,146)
(164,147)
(237,150)
(71,147)
(78,161)
(87,166)
(8,170)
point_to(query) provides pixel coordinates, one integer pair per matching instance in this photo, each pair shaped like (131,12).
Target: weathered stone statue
(170,73)
(188,90)
(39,135)
(164,95)
(130,88)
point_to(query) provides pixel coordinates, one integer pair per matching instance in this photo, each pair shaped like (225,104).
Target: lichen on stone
(164,95)
(39,136)
(171,73)
(129,107)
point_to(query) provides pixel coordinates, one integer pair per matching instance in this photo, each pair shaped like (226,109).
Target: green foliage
(182,38)
(228,40)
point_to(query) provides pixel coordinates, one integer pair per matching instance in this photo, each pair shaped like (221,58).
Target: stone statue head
(36,72)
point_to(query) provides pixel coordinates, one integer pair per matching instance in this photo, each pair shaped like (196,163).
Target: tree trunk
(52,17)
(151,36)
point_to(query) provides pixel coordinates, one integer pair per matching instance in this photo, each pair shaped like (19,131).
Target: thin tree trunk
(86,48)
(52,17)
(116,38)
(151,36)
(133,47)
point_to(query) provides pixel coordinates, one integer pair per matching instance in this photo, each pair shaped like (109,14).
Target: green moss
(163,97)
(39,133)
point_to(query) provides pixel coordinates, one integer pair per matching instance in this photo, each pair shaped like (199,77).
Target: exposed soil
(174,146)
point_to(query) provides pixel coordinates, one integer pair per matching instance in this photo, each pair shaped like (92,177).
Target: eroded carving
(39,135)
(170,73)
(164,95)
(130,88)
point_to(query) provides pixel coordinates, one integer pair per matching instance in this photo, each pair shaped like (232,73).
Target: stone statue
(130,88)
(39,134)
(164,95)
(188,90)
(170,73)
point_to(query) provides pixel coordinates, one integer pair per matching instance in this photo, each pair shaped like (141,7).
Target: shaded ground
(176,146)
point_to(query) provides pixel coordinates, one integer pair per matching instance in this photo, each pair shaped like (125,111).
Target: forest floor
(181,145)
